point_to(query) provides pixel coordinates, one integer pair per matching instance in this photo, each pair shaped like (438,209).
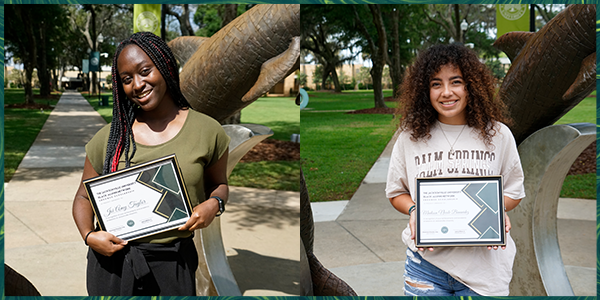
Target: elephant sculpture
(552,70)
(221,75)
(242,61)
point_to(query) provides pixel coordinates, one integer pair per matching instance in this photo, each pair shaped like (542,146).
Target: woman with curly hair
(449,115)
(152,119)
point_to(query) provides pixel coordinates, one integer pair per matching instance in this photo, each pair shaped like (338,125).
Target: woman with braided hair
(152,119)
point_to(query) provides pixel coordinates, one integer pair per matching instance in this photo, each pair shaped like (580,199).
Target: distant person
(448,105)
(152,119)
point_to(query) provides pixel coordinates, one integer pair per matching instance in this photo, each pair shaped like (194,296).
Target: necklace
(452,145)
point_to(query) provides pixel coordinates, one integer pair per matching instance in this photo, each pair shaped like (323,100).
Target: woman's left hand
(202,215)
(507,227)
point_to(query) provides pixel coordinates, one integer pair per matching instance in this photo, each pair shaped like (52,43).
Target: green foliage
(209,18)
(496,67)
(302,79)
(317,74)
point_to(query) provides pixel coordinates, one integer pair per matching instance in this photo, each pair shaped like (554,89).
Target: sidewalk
(367,230)
(260,227)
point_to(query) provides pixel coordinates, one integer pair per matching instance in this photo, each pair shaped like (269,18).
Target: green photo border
(285,2)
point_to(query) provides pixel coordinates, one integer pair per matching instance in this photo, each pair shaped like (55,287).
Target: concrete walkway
(360,240)
(260,228)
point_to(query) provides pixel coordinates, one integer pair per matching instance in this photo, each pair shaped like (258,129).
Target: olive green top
(198,145)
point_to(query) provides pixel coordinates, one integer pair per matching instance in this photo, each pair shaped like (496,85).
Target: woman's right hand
(412,222)
(105,243)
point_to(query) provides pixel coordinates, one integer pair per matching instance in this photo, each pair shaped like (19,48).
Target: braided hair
(124,110)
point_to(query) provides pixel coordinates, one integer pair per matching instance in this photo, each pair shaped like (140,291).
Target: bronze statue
(242,61)
(552,70)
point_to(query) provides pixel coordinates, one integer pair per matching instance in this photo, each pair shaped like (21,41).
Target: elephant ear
(585,81)
(511,43)
(274,70)
(185,46)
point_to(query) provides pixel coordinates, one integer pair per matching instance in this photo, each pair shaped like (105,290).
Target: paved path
(260,227)
(367,231)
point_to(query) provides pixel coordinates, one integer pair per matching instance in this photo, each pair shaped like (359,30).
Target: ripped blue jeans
(424,279)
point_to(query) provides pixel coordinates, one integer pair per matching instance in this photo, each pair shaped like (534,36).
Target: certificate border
(466,242)
(131,235)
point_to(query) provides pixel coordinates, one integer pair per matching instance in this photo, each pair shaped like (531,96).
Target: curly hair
(483,108)
(124,110)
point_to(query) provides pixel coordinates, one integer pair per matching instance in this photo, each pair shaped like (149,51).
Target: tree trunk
(379,56)
(334,77)
(377,75)
(94,84)
(53,80)
(394,60)
(29,59)
(43,74)
(184,19)
(229,14)
(460,38)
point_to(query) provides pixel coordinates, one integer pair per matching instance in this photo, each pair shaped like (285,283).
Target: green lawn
(281,114)
(278,113)
(21,127)
(585,111)
(338,149)
(104,111)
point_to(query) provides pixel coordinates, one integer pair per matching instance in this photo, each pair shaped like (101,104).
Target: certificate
(460,211)
(140,201)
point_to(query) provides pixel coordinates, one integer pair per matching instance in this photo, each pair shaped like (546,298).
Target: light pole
(100,40)
(463,29)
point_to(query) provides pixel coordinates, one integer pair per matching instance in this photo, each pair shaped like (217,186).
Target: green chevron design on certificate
(140,201)
(460,211)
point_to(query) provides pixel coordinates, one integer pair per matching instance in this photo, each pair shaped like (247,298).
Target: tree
(406,23)
(302,79)
(20,40)
(325,35)
(377,43)
(212,17)
(98,17)
(115,22)
(182,13)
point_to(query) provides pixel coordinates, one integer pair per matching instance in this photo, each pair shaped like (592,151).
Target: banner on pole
(512,17)
(146,17)
(85,66)
(94,61)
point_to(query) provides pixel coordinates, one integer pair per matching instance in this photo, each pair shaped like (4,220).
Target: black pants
(144,269)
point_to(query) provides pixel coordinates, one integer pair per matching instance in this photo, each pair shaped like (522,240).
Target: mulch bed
(28,106)
(273,150)
(375,110)
(586,162)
